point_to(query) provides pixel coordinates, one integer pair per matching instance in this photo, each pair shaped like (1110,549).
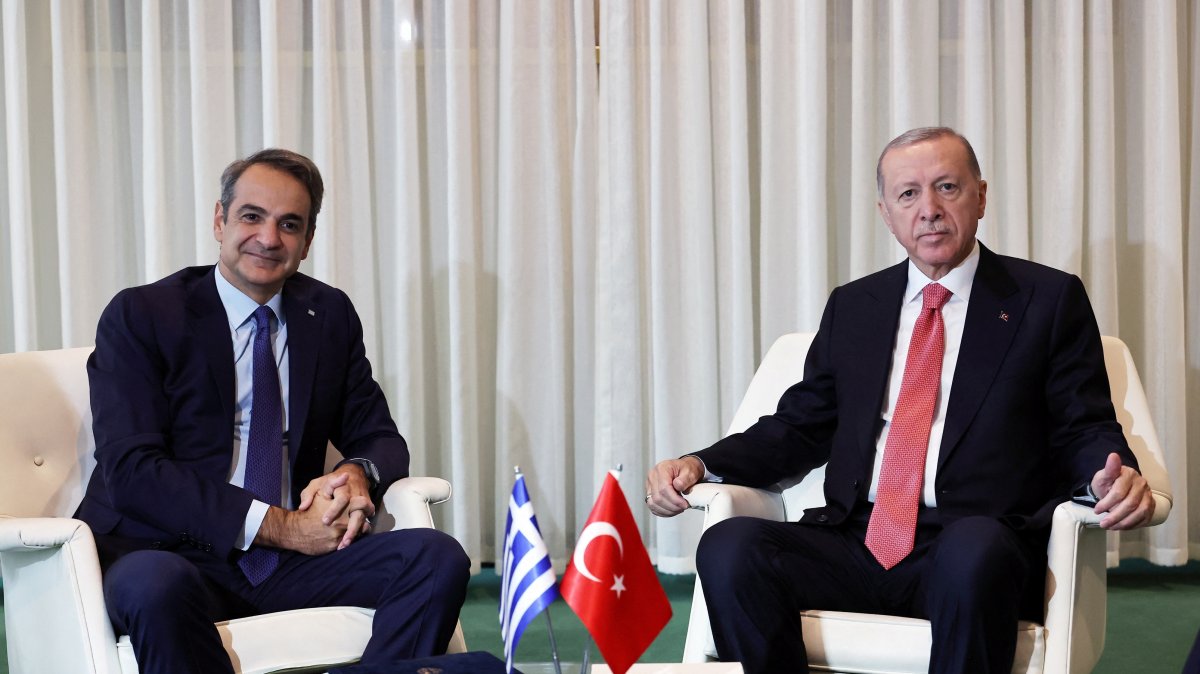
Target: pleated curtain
(572,228)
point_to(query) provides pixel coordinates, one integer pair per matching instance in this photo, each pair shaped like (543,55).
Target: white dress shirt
(954,316)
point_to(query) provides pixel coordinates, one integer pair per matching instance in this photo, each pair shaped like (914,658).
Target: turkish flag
(611,585)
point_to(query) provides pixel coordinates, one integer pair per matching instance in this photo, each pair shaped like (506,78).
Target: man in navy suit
(173,386)
(1020,419)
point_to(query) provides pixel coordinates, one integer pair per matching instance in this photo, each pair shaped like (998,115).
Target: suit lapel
(881,318)
(304,333)
(210,323)
(994,314)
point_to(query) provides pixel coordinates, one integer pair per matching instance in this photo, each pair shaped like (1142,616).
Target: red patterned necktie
(894,519)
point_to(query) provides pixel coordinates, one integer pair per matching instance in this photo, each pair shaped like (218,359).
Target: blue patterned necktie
(264,450)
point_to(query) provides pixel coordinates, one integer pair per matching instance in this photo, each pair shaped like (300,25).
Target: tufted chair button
(38,460)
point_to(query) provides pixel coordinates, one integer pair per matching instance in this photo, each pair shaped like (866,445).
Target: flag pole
(553,645)
(549,625)
(585,667)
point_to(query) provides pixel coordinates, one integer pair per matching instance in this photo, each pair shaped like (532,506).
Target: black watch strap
(369,470)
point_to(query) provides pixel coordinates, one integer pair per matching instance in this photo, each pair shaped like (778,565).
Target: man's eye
(290,226)
(907,194)
(250,217)
(947,187)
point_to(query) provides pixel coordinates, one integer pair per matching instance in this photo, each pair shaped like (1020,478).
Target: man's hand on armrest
(668,481)
(1124,496)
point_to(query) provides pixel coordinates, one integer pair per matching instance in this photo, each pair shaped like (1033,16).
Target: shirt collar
(239,307)
(958,280)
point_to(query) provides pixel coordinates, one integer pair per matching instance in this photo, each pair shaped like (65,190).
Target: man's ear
(218,222)
(886,215)
(308,239)
(982,198)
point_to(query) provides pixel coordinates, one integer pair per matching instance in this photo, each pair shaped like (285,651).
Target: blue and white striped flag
(527,585)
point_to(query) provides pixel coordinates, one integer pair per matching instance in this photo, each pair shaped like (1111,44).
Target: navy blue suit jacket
(1029,420)
(162,395)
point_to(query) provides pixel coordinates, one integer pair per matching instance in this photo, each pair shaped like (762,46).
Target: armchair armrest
(52,571)
(722,501)
(1076,578)
(406,503)
(40,533)
(719,502)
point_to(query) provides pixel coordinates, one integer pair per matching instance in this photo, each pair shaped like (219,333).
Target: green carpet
(1153,616)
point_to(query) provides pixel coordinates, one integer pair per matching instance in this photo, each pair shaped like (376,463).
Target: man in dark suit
(214,393)
(944,461)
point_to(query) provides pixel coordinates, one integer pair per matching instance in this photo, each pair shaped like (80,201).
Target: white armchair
(1072,637)
(55,617)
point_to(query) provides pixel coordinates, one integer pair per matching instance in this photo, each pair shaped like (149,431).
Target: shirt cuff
(254,519)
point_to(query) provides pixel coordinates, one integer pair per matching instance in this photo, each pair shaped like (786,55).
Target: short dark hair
(293,163)
(920,135)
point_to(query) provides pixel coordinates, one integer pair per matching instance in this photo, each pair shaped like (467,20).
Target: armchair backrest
(46,445)
(1129,400)
(784,365)
(780,368)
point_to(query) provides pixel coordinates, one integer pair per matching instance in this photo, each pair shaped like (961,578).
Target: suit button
(854,484)
(822,518)
(156,545)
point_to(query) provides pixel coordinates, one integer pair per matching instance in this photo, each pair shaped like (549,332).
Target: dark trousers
(167,601)
(1192,666)
(970,578)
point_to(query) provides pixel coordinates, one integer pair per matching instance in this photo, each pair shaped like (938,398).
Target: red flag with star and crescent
(611,585)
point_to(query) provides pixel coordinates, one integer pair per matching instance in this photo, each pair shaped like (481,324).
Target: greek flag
(527,584)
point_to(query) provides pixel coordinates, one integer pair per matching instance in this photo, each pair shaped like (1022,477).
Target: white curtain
(568,267)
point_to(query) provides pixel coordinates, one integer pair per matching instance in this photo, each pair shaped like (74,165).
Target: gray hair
(920,135)
(293,163)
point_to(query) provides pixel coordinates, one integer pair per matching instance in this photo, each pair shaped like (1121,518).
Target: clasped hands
(334,510)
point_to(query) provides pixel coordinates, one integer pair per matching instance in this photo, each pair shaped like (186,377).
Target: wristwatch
(369,470)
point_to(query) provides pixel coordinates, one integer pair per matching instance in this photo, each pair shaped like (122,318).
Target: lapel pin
(1003,316)
(313,313)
